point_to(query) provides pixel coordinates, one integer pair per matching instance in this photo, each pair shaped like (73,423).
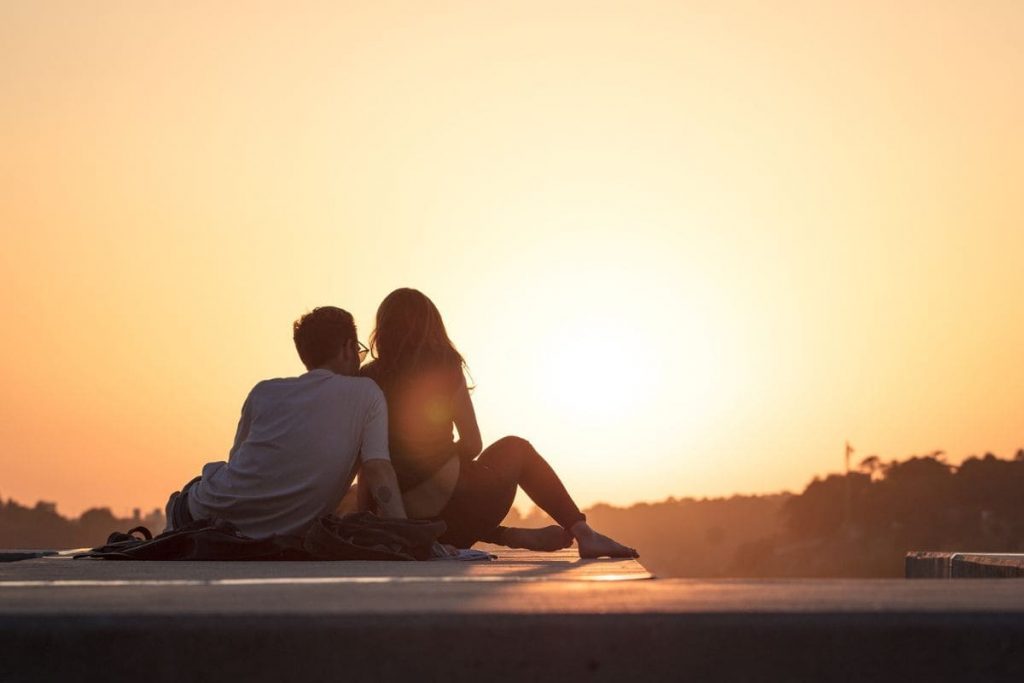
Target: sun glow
(590,373)
(715,243)
(596,371)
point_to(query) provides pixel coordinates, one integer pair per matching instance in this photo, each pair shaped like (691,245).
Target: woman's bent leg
(481,500)
(485,492)
(515,459)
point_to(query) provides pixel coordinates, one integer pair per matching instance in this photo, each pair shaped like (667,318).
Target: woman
(421,374)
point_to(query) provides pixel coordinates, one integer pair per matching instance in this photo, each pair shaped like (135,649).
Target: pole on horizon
(847,506)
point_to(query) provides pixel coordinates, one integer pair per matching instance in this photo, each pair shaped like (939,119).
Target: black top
(421,416)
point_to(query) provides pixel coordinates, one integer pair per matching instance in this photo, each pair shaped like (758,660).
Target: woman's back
(421,414)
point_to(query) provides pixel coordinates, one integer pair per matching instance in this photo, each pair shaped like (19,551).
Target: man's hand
(382,485)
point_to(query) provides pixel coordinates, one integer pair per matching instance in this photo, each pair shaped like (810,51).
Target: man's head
(326,338)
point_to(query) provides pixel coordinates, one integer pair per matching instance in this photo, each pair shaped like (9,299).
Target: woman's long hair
(410,335)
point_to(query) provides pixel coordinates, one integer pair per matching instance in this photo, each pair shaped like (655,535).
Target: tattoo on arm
(384,490)
(383,494)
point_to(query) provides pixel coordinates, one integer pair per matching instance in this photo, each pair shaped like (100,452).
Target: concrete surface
(527,617)
(18,555)
(945,565)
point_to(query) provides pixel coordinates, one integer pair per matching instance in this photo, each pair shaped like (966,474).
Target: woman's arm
(469,444)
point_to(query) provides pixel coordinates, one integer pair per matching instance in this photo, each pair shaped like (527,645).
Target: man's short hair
(320,334)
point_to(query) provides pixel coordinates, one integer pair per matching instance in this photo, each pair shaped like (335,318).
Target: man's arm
(376,472)
(242,432)
(382,484)
(363,499)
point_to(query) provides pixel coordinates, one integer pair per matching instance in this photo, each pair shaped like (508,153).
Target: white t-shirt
(296,452)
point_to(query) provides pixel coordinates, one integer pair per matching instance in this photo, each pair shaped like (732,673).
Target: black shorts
(481,500)
(178,514)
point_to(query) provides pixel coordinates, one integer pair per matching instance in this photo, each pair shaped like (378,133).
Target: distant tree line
(42,527)
(863,523)
(859,524)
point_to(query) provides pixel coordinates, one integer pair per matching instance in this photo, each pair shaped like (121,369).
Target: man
(300,442)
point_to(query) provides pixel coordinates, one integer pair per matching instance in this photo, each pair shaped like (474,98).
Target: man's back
(298,443)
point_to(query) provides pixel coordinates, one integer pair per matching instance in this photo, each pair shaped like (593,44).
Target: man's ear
(349,357)
(342,360)
(350,349)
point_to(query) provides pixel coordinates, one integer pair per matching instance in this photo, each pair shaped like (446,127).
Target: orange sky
(688,248)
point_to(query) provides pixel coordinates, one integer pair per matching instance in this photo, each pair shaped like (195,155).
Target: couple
(301,441)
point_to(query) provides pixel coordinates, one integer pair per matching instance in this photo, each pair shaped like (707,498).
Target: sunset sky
(688,248)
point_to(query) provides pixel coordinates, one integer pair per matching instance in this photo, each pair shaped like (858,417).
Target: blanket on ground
(356,536)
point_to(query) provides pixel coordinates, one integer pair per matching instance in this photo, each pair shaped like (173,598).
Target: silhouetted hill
(686,537)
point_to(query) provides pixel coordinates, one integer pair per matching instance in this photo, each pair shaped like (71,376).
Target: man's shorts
(177,512)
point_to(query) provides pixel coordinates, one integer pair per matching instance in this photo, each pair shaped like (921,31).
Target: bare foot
(593,545)
(548,539)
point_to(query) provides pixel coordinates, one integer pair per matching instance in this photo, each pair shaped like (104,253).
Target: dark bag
(357,536)
(203,539)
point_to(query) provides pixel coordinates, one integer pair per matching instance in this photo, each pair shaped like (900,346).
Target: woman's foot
(548,539)
(593,545)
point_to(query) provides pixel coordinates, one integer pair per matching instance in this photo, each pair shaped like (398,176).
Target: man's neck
(331,367)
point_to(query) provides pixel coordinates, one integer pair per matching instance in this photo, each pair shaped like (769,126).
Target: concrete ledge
(523,617)
(927,565)
(516,647)
(943,565)
(18,555)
